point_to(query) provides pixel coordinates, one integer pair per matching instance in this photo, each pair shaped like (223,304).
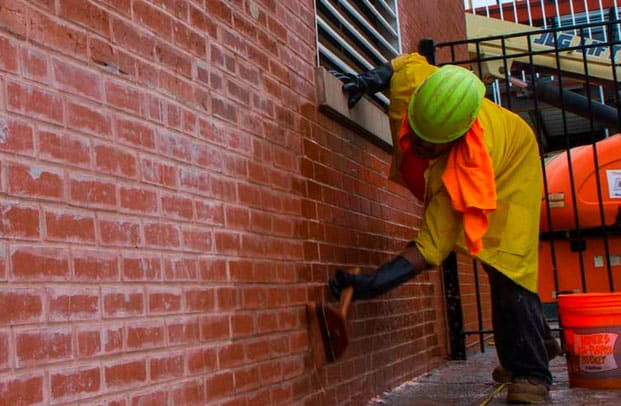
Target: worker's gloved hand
(368,286)
(369,82)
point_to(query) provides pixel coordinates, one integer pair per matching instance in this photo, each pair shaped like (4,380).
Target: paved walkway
(469,383)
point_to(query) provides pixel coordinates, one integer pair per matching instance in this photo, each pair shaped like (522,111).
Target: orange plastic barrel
(591,324)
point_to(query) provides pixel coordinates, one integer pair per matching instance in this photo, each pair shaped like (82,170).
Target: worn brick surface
(172,197)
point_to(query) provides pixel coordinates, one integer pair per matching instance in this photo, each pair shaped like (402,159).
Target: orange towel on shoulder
(469,180)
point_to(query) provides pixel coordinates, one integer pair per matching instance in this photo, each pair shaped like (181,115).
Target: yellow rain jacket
(511,242)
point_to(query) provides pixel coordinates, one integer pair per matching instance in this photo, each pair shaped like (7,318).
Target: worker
(476,167)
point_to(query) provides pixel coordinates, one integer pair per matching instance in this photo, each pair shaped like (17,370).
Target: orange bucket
(591,325)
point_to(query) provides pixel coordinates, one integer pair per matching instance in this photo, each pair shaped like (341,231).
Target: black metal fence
(566,86)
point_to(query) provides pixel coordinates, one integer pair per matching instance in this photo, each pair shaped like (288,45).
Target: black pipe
(577,104)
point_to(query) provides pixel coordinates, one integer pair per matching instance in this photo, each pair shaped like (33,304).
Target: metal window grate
(356,35)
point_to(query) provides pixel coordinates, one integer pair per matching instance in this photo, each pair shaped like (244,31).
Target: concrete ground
(470,383)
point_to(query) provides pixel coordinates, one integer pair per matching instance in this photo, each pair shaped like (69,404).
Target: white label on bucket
(596,351)
(614,183)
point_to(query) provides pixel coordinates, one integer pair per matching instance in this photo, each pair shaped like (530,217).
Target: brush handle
(346,296)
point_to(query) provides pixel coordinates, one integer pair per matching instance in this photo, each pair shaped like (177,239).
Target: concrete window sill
(366,117)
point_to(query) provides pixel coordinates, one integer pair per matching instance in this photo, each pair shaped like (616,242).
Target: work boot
(526,390)
(503,375)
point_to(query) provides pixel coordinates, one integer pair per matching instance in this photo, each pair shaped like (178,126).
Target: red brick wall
(171,197)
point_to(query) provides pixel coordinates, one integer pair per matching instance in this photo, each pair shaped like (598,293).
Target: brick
(131,38)
(63,147)
(183,331)
(4,272)
(202,21)
(202,360)
(92,191)
(16,137)
(172,118)
(198,240)
(88,343)
(167,367)
(46,4)
(189,393)
(138,200)
(71,384)
(226,242)
(102,53)
(247,379)
(113,339)
(85,14)
(242,325)
(212,269)
(53,34)
(135,133)
(115,161)
(95,266)
(270,372)
(73,304)
(123,97)
(157,397)
(121,6)
(143,335)
(226,298)
(21,390)
(161,235)
(142,268)
(210,212)
(224,109)
(164,300)
(237,217)
(37,263)
(125,373)
(121,401)
(153,19)
(193,181)
(258,350)
(77,80)
(214,327)
(180,87)
(26,306)
(35,181)
(14,17)
(199,300)
(117,231)
(180,269)
(70,227)
(219,386)
(173,145)
(122,302)
(177,206)
(88,119)
(5,350)
(190,40)
(35,102)
(231,355)
(18,220)
(43,345)
(174,59)
(159,173)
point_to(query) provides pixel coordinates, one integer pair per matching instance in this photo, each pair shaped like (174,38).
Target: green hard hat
(446,104)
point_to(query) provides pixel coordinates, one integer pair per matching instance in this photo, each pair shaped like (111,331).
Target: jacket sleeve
(442,226)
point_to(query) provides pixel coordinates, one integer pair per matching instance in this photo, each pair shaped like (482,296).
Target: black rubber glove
(367,286)
(369,82)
